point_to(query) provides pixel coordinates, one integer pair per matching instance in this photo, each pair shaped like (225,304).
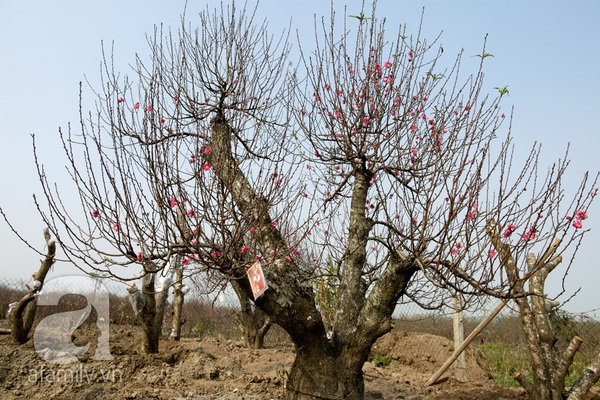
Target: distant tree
(368,164)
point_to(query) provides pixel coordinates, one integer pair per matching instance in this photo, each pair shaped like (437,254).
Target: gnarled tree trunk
(323,368)
(255,323)
(23,315)
(549,365)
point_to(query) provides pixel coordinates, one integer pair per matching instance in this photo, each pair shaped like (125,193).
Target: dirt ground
(219,369)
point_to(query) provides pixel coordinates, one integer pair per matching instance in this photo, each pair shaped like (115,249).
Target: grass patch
(505,361)
(380,360)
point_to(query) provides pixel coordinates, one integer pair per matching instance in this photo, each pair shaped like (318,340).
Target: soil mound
(210,368)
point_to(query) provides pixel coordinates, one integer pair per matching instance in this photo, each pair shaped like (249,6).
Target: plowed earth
(217,369)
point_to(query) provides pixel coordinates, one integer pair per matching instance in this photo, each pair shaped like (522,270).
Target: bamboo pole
(467,341)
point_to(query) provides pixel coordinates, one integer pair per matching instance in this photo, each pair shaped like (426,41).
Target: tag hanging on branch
(257,279)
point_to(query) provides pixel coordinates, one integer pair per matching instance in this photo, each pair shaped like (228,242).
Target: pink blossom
(185,261)
(173,202)
(272,253)
(95,214)
(216,254)
(473,214)
(454,251)
(149,107)
(136,106)
(175,98)
(530,234)
(338,114)
(162,120)
(491,253)
(288,259)
(387,64)
(410,55)
(502,116)
(190,212)
(207,150)
(252,229)
(413,127)
(274,224)
(577,224)
(365,121)
(245,249)
(327,86)
(581,215)
(192,159)
(116,227)
(458,245)
(278,181)
(509,230)
(413,151)
(139,256)
(120,100)
(206,166)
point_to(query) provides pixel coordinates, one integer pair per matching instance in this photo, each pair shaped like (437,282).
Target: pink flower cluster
(454,250)
(530,234)
(510,228)
(473,213)
(580,215)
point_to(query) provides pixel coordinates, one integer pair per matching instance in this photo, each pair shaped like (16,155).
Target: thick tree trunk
(322,372)
(255,323)
(148,316)
(323,368)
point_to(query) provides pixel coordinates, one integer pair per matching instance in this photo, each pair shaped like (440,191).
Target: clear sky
(546,51)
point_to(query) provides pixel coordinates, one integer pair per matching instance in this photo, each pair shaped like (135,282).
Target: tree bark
(178,297)
(323,372)
(588,378)
(148,316)
(255,323)
(24,314)
(323,368)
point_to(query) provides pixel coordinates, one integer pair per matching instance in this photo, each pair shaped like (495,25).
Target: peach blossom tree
(374,164)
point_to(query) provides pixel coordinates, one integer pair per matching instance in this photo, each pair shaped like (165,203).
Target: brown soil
(218,369)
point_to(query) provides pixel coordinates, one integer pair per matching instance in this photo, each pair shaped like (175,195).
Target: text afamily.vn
(74,375)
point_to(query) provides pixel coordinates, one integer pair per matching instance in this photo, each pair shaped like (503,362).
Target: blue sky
(546,51)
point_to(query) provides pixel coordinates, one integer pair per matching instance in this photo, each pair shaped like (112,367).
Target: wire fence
(216,313)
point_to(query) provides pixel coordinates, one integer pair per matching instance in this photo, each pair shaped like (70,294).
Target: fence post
(459,337)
